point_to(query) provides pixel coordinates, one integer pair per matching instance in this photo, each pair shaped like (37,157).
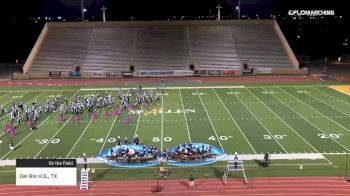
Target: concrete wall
(286,46)
(35,49)
(157,23)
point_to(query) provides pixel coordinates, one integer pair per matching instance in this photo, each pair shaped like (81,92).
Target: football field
(247,120)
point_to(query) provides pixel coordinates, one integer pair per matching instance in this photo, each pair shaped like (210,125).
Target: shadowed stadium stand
(161,45)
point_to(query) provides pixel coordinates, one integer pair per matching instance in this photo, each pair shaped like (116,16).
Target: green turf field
(249,120)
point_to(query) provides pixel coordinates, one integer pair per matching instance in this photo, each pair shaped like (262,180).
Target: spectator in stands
(191,181)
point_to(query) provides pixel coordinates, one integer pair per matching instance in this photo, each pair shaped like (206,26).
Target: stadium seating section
(160,46)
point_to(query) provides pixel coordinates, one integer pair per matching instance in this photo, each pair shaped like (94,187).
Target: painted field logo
(161,111)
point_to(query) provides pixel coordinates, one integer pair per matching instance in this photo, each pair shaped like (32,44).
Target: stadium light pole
(83,10)
(218,7)
(239,9)
(104,13)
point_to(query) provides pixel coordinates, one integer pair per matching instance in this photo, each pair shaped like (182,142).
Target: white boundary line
(177,87)
(260,123)
(329,95)
(234,121)
(346,129)
(308,120)
(217,137)
(183,107)
(169,88)
(12,100)
(6,92)
(314,108)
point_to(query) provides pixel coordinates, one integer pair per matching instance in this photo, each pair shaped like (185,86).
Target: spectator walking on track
(191,181)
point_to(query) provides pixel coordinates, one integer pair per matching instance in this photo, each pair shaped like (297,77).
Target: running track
(306,186)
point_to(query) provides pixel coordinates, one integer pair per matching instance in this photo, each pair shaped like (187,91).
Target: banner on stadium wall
(54,74)
(200,72)
(247,72)
(214,72)
(163,73)
(262,70)
(74,74)
(113,74)
(127,74)
(97,75)
(228,72)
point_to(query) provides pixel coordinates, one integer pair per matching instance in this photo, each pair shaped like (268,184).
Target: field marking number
(331,135)
(269,137)
(45,141)
(222,138)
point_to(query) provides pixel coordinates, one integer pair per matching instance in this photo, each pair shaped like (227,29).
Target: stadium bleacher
(156,45)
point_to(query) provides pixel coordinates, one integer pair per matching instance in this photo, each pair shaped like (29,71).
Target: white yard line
(217,137)
(6,93)
(329,95)
(27,136)
(109,132)
(309,122)
(183,107)
(346,129)
(283,121)
(58,130)
(87,126)
(235,122)
(53,137)
(138,120)
(162,126)
(29,133)
(287,124)
(12,100)
(71,150)
(260,123)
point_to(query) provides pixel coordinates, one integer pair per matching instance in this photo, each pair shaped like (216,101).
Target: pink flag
(105,114)
(114,113)
(76,118)
(118,110)
(130,108)
(127,121)
(92,117)
(61,119)
(30,123)
(12,133)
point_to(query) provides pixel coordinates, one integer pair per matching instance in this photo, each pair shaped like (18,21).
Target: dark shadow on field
(184,183)
(218,173)
(259,162)
(98,176)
